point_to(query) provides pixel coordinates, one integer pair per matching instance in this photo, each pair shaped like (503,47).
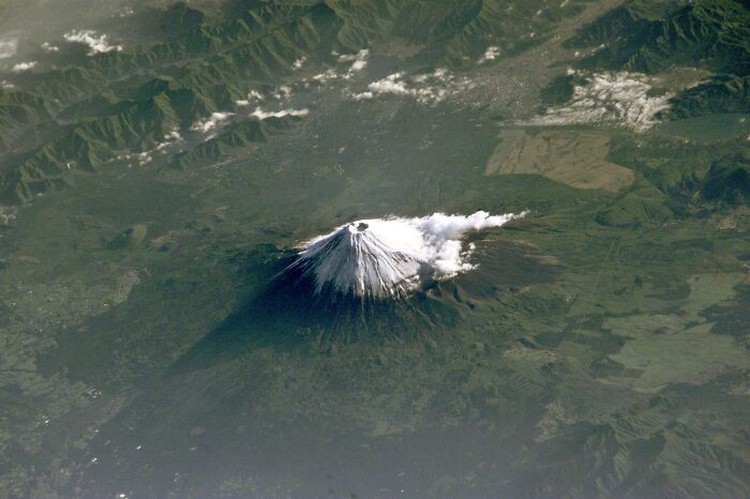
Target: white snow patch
(24,66)
(390,258)
(620,99)
(98,44)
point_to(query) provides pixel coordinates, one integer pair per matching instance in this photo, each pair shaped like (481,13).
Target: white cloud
(97,44)
(144,158)
(358,66)
(391,84)
(326,76)
(253,96)
(361,55)
(426,88)
(48,47)
(490,54)
(358,63)
(367,95)
(358,60)
(262,115)
(211,122)
(283,92)
(24,66)
(169,139)
(8,47)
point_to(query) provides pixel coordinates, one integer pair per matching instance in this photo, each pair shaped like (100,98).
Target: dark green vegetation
(90,109)
(726,93)
(651,36)
(656,36)
(132,100)
(599,350)
(688,178)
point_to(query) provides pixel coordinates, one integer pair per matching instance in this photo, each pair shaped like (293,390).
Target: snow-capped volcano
(389,258)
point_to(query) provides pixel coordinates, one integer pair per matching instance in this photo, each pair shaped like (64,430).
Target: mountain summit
(389,258)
